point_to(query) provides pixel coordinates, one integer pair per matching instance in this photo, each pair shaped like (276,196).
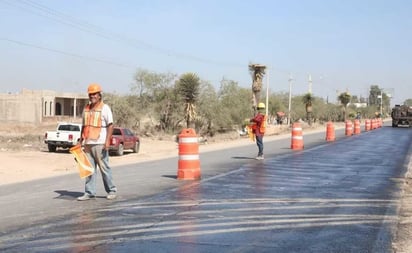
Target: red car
(124,139)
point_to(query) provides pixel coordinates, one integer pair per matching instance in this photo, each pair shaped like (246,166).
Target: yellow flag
(83,164)
(250,132)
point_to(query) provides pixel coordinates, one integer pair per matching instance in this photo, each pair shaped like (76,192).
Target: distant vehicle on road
(401,115)
(123,139)
(66,136)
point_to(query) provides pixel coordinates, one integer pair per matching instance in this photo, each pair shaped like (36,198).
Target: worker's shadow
(243,157)
(68,195)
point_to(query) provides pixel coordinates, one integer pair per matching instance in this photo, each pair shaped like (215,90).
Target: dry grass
(20,137)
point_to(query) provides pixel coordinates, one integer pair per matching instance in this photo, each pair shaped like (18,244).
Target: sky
(343,45)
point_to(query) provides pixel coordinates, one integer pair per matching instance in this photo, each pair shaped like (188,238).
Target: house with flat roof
(38,106)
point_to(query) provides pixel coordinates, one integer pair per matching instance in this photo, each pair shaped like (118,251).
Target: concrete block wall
(20,108)
(34,106)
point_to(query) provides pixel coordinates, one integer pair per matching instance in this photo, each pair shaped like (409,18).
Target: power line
(82,25)
(49,13)
(34,11)
(66,53)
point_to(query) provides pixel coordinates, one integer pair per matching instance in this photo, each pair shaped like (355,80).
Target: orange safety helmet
(94,88)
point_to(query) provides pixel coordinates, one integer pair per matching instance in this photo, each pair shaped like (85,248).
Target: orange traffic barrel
(189,163)
(83,164)
(330,131)
(357,128)
(348,128)
(373,122)
(297,138)
(367,125)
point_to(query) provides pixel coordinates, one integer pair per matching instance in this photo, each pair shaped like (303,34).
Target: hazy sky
(345,45)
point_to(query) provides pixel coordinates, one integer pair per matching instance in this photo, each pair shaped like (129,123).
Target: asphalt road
(340,196)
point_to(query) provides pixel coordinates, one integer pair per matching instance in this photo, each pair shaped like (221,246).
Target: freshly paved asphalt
(340,196)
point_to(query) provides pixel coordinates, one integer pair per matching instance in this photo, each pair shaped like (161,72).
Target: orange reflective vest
(263,125)
(259,124)
(92,121)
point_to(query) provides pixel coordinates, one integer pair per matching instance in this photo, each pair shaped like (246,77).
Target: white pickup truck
(66,135)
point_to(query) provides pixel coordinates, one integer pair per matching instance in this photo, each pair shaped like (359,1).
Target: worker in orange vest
(96,134)
(258,128)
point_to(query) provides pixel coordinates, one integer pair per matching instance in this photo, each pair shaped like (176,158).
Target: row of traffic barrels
(354,127)
(189,163)
(351,128)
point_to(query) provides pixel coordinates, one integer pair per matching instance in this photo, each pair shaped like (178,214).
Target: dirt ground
(25,157)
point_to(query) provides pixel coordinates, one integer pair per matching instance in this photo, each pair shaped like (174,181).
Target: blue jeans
(259,143)
(99,157)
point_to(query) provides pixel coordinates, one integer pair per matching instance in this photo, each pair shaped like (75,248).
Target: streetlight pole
(290,97)
(381,103)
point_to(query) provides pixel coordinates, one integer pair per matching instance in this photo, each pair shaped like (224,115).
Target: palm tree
(188,87)
(257,71)
(308,99)
(344,99)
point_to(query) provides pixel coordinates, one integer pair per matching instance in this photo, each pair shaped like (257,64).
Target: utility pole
(310,84)
(381,103)
(290,97)
(267,95)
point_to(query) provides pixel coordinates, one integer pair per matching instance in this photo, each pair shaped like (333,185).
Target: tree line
(167,103)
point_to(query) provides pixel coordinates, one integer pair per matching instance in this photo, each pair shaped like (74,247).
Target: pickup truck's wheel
(136,147)
(51,148)
(120,150)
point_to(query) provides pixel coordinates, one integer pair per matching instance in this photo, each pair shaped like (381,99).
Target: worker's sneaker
(111,195)
(259,157)
(86,197)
